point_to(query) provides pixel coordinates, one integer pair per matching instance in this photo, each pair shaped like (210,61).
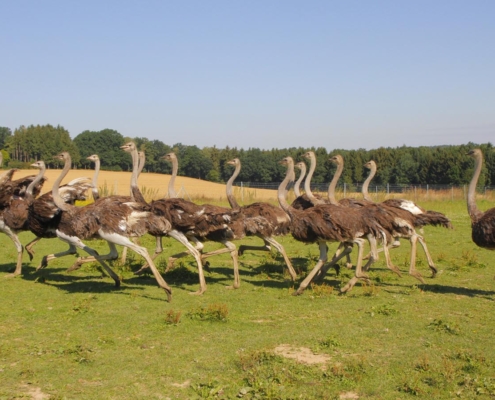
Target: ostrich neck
(142,161)
(32,185)
(59,202)
(282,190)
(94,183)
(135,192)
(297,185)
(473,210)
(171,191)
(333,184)
(230,195)
(366,183)
(307,181)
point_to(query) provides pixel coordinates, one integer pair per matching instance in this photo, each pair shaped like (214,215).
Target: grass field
(73,335)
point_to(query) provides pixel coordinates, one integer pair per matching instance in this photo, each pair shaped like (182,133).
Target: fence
(427,191)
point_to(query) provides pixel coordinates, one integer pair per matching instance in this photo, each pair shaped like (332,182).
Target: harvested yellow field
(154,185)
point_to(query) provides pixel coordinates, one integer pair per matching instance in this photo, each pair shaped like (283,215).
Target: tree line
(447,165)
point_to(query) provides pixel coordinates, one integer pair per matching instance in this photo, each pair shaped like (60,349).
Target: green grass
(73,335)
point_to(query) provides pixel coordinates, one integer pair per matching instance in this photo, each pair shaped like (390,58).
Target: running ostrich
(113,221)
(277,218)
(482,223)
(328,223)
(425,217)
(206,222)
(397,221)
(157,218)
(190,221)
(14,200)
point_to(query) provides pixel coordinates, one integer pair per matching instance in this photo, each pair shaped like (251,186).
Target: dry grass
(154,186)
(188,188)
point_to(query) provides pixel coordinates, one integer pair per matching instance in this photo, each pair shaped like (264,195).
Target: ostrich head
(300,165)
(235,162)
(370,164)
(170,157)
(129,147)
(63,156)
(38,164)
(337,159)
(475,153)
(93,158)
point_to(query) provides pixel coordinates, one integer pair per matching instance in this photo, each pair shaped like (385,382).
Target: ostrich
(16,196)
(396,221)
(113,221)
(202,222)
(425,217)
(277,218)
(301,166)
(94,183)
(155,228)
(482,223)
(328,223)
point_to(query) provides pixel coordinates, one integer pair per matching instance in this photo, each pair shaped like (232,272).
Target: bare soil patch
(301,354)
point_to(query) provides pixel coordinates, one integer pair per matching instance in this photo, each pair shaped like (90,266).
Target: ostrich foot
(349,266)
(141,271)
(395,269)
(169,295)
(434,271)
(43,263)
(206,266)
(198,293)
(30,253)
(117,283)
(234,286)
(75,266)
(418,276)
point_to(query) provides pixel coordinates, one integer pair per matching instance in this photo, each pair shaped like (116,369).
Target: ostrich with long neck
(278,220)
(328,223)
(189,220)
(395,220)
(113,221)
(94,188)
(482,223)
(14,214)
(200,222)
(156,220)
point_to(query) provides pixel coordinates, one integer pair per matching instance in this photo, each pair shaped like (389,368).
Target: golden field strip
(155,185)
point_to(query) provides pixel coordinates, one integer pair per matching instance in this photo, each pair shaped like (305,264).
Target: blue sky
(267,74)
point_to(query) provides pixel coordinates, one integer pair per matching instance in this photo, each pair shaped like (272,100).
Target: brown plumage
(271,221)
(482,223)
(329,223)
(395,221)
(15,199)
(204,223)
(114,222)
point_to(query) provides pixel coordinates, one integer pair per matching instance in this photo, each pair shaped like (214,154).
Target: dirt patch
(182,385)
(36,393)
(301,354)
(348,395)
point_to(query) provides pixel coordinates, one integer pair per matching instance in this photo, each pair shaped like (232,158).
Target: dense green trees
(447,165)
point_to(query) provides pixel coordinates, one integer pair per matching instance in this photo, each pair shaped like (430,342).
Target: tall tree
(106,144)
(5,135)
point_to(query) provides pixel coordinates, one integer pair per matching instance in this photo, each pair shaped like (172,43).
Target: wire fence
(356,187)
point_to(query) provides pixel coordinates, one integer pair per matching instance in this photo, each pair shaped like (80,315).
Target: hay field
(154,185)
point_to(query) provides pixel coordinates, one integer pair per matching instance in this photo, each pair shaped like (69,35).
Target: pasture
(74,335)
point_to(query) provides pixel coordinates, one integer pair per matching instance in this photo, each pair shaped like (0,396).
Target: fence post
(426,190)
(345,187)
(242,192)
(452,193)
(388,189)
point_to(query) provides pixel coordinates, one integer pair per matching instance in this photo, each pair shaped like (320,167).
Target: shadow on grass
(446,289)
